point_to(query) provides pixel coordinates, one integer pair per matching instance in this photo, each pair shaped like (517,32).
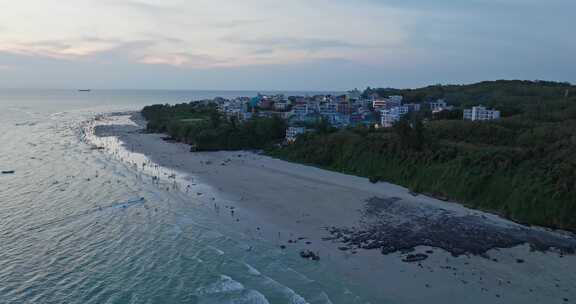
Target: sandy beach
(467,255)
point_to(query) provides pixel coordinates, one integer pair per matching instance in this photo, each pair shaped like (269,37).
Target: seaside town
(287,152)
(340,111)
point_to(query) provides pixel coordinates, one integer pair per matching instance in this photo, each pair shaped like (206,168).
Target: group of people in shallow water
(113,145)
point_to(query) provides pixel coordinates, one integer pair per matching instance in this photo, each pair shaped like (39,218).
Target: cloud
(237,23)
(76,49)
(54,49)
(468,5)
(299,43)
(183,60)
(145,51)
(263,51)
(219,31)
(144,6)
(388,40)
(161,38)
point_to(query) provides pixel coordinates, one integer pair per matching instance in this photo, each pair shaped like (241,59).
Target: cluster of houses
(340,111)
(392,109)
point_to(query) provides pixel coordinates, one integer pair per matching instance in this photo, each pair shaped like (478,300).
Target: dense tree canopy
(206,129)
(510,96)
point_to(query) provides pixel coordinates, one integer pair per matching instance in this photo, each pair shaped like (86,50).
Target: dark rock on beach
(307,254)
(392,225)
(411,258)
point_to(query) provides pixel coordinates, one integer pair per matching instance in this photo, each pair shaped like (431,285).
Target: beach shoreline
(300,207)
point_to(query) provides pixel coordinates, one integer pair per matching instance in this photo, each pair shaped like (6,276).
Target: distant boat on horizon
(84,90)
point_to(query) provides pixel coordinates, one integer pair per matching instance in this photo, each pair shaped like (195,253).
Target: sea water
(79,225)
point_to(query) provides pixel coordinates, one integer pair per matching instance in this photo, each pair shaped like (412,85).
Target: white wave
(322,297)
(288,292)
(223,285)
(220,252)
(252,270)
(176,231)
(300,275)
(250,297)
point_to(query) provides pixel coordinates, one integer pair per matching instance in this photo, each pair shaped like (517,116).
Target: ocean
(78,225)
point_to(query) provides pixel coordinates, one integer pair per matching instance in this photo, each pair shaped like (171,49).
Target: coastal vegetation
(522,166)
(204,127)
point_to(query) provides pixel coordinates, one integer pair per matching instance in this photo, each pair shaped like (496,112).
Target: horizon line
(287,90)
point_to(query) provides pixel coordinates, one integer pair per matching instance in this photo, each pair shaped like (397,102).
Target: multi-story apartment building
(480,113)
(389,117)
(301,109)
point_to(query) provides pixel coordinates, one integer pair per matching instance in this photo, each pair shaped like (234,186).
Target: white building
(281,105)
(301,110)
(480,113)
(389,117)
(246,115)
(293,132)
(328,108)
(438,105)
(413,107)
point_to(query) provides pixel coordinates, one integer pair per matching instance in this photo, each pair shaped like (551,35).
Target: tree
(410,132)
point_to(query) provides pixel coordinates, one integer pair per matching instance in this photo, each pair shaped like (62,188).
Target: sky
(282,45)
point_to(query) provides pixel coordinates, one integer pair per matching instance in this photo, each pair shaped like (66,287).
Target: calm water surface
(73,228)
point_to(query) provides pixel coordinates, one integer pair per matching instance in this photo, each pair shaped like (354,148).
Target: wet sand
(304,208)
